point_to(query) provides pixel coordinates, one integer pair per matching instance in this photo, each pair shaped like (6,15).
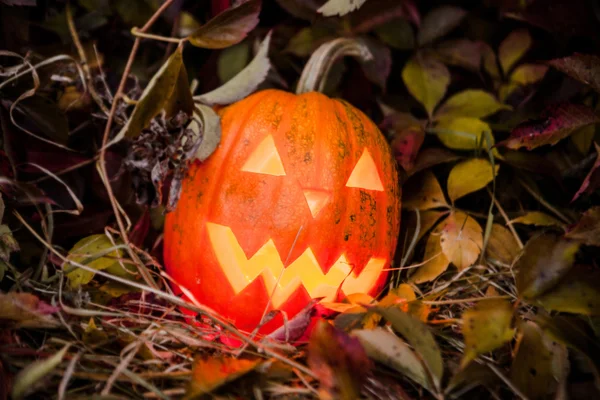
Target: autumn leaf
(245,82)
(28,377)
(210,373)
(340,7)
(25,310)
(577,292)
(229,27)
(473,103)
(427,220)
(426,79)
(374,14)
(463,133)
(546,259)
(528,74)
(461,239)
(232,60)
(583,67)
(486,327)
(537,218)
(385,347)
(418,335)
(583,138)
(502,245)
(181,97)
(470,176)
(587,229)
(592,179)
(339,361)
(206,124)
(431,156)
(539,363)
(406,146)
(154,97)
(513,48)
(434,259)
(462,53)
(555,123)
(423,192)
(438,22)
(490,62)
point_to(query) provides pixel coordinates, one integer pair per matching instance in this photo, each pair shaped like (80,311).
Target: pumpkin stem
(317,69)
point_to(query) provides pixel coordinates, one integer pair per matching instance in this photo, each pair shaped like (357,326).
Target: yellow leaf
(582,138)
(463,133)
(513,48)
(461,239)
(502,245)
(578,292)
(469,176)
(528,74)
(427,79)
(211,373)
(435,262)
(486,327)
(95,251)
(423,192)
(470,103)
(537,218)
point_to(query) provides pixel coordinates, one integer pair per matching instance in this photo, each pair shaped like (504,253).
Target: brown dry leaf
(470,176)
(473,103)
(25,310)
(210,373)
(539,363)
(587,229)
(426,79)
(438,22)
(339,361)
(435,261)
(423,192)
(583,67)
(463,133)
(537,218)
(578,292)
(229,27)
(406,145)
(181,98)
(502,245)
(545,261)
(513,48)
(486,327)
(461,239)
(462,53)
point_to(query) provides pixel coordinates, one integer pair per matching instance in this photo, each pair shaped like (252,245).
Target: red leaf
(592,180)
(582,67)
(555,123)
(377,12)
(406,145)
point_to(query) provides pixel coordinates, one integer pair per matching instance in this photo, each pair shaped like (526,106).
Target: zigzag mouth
(282,282)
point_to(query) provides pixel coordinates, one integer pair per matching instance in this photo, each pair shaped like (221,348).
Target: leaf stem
(138,33)
(314,75)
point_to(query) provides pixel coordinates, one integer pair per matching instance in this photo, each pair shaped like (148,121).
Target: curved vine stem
(317,69)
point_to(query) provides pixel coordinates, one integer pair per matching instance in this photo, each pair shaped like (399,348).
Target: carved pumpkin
(300,201)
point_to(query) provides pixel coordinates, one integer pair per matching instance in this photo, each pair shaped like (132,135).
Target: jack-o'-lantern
(299,201)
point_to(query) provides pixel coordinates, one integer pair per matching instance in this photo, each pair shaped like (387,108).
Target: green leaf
(181,98)
(461,239)
(435,262)
(387,348)
(439,22)
(577,292)
(423,192)
(486,327)
(502,245)
(587,229)
(583,138)
(34,372)
(537,218)
(471,103)
(245,82)
(303,43)
(232,61)
(95,251)
(154,97)
(427,79)
(340,7)
(470,176)
(539,363)
(418,335)
(397,33)
(546,259)
(210,373)
(513,48)
(462,133)
(229,27)
(206,124)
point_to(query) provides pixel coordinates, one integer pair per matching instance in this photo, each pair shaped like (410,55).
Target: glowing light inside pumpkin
(316,200)
(365,175)
(265,159)
(305,270)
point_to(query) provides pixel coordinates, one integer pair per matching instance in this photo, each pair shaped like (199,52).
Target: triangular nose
(316,199)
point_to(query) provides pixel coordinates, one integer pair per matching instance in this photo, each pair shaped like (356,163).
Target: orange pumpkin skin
(281,207)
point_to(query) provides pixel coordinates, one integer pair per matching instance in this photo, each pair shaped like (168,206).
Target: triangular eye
(365,175)
(265,159)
